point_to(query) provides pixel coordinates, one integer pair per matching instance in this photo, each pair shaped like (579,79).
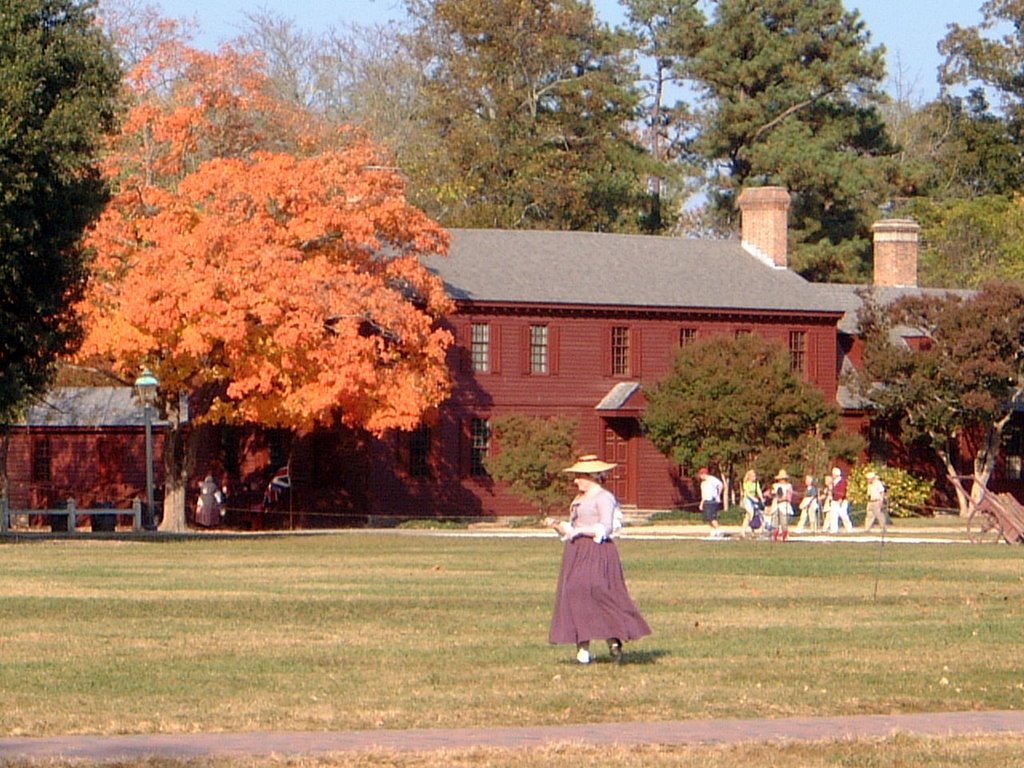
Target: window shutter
(811,358)
(524,356)
(495,348)
(553,355)
(463,348)
(606,350)
(635,352)
(465,447)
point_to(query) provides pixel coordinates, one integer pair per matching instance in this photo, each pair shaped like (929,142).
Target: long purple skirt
(592,601)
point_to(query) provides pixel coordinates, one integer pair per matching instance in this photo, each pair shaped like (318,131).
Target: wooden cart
(995,517)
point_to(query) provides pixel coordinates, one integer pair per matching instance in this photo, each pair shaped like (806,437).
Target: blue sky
(909,29)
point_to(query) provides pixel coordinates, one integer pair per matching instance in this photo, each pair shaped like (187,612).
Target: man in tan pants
(876,503)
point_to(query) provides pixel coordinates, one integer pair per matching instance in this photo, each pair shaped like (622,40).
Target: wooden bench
(71,513)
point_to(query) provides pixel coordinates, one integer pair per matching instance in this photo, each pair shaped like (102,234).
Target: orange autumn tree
(260,262)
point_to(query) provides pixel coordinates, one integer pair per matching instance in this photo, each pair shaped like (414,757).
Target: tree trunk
(985,460)
(174,520)
(179,460)
(962,501)
(984,465)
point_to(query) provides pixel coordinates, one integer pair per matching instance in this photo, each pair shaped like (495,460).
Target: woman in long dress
(592,601)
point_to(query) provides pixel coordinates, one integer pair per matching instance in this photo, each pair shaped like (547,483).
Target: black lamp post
(146,386)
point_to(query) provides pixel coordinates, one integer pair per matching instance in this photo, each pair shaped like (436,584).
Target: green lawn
(407,629)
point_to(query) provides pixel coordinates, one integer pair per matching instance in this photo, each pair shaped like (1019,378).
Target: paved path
(199,745)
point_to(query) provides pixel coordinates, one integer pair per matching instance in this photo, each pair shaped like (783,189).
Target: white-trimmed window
(539,349)
(798,351)
(620,351)
(480,347)
(479,447)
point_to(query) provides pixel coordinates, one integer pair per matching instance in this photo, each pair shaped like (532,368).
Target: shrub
(532,452)
(906,493)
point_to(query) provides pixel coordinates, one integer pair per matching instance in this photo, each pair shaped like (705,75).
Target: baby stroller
(754,522)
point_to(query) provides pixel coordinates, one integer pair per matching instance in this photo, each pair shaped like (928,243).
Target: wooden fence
(71,514)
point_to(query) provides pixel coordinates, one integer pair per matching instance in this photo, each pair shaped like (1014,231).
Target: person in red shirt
(839,506)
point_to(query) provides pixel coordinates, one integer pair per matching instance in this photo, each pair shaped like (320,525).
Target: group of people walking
(823,509)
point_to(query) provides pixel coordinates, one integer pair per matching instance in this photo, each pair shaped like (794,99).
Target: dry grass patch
(397,630)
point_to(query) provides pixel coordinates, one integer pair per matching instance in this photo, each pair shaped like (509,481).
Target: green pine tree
(59,82)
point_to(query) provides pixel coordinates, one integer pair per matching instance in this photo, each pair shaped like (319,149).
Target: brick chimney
(895,246)
(764,219)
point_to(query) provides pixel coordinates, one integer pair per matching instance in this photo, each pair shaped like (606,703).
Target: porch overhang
(625,399)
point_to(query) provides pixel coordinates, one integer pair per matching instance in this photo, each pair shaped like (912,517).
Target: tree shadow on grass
(641,656)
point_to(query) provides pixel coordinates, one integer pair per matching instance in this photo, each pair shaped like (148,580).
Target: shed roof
(619,397)
(598,269)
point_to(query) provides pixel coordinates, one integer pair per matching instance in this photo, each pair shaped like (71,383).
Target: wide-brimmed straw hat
(589,465)
(783,475)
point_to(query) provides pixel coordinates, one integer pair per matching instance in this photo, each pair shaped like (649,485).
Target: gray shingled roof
(618,396)
(87,407)
(595,269)
(844,298)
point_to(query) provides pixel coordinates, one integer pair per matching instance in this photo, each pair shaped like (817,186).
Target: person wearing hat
(782,505)
(710,500)
(876,502)
(591,600)
(839,507)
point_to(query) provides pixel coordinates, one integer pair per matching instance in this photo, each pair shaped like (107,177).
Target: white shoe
(583,656)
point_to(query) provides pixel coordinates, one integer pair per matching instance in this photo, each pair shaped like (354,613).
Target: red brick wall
(579,377)
(92,466)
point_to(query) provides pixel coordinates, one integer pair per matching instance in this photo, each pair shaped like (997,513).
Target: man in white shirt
(710,500)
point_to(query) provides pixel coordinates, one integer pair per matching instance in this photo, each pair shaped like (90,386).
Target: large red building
(578,324)
(547,323)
